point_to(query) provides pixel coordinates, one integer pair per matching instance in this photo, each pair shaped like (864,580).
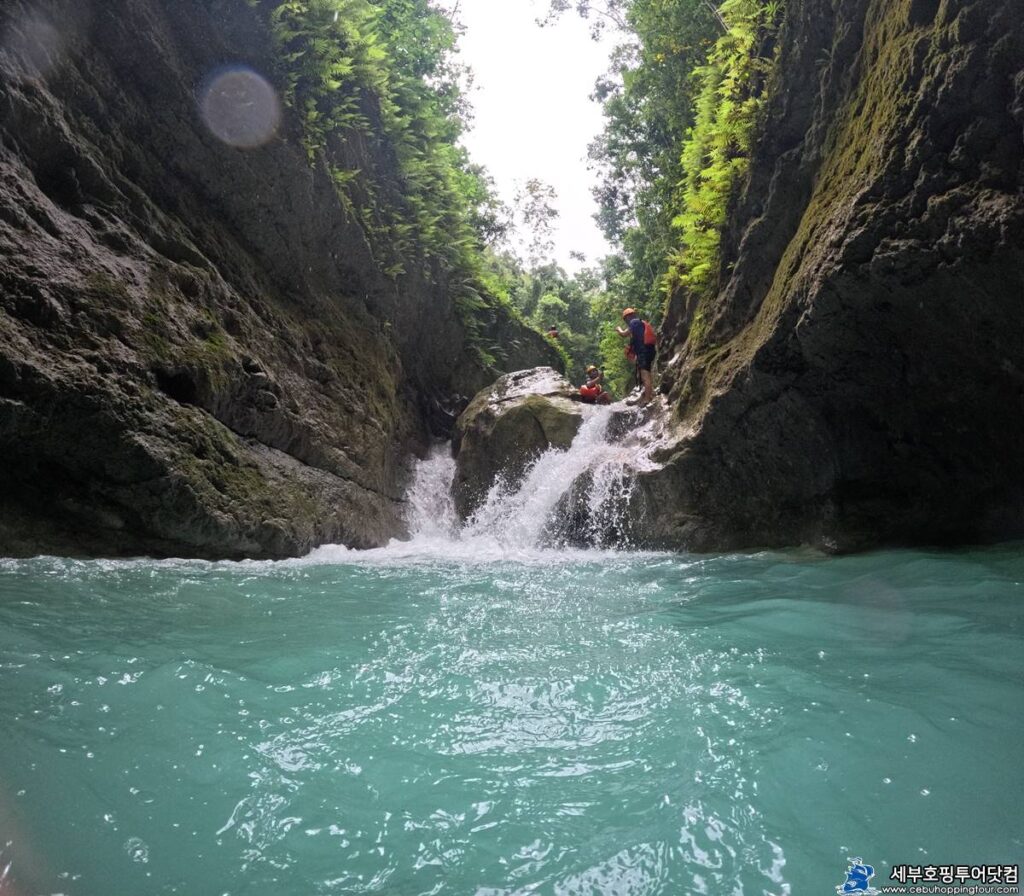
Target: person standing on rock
(642,347)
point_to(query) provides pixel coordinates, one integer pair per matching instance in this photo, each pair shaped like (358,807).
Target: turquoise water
(563,724)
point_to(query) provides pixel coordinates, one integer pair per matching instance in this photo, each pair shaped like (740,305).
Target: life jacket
(650,340)
(590,392)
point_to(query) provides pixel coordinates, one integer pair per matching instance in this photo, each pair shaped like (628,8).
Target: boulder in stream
(506,427)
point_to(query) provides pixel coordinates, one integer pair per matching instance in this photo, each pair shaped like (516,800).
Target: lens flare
(240,108)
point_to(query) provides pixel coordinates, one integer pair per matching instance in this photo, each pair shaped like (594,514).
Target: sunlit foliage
(379,96)
(717,148)
(647,106)
(680,102)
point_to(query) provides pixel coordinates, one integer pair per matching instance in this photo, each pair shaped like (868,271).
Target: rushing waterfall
(431,513)
(577,495)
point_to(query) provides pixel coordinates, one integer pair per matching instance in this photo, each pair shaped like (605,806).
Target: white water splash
(611,492)
(520,516)
(431,513)
(517,522)
(526,516)
(528,523)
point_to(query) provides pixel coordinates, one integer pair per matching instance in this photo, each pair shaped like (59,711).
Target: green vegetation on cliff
(681,108)
(378,75)
(380,100)
(647,98)
(379,95)
(716,152)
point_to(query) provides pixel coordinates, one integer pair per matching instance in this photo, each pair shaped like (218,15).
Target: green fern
(716,153)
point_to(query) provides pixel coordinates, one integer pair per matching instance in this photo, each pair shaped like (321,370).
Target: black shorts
(645,359)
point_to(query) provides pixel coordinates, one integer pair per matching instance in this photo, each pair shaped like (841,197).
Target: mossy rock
(508,426)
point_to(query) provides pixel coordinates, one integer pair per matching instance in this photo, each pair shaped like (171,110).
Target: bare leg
(648,381)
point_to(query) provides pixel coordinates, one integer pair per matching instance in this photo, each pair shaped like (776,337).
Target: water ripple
(573,725)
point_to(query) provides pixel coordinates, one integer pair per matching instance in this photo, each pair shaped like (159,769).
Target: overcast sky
(533,116)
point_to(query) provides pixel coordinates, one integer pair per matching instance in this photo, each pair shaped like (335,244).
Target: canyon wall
(199,354)
(859,379)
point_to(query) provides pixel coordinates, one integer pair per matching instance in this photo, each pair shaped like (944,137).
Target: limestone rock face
(859,379)
(506,427)
(198,353)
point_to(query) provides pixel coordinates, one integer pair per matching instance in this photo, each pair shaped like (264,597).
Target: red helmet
(628,313)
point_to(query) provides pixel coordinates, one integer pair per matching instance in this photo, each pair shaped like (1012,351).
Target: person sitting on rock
(592,391)
(642,347)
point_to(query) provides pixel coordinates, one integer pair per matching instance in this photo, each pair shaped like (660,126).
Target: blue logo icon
(857,880)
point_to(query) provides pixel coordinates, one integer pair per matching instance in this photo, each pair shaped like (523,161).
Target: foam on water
(513,524)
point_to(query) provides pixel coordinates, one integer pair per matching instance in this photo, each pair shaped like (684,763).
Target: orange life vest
(590,392)
(650,339)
